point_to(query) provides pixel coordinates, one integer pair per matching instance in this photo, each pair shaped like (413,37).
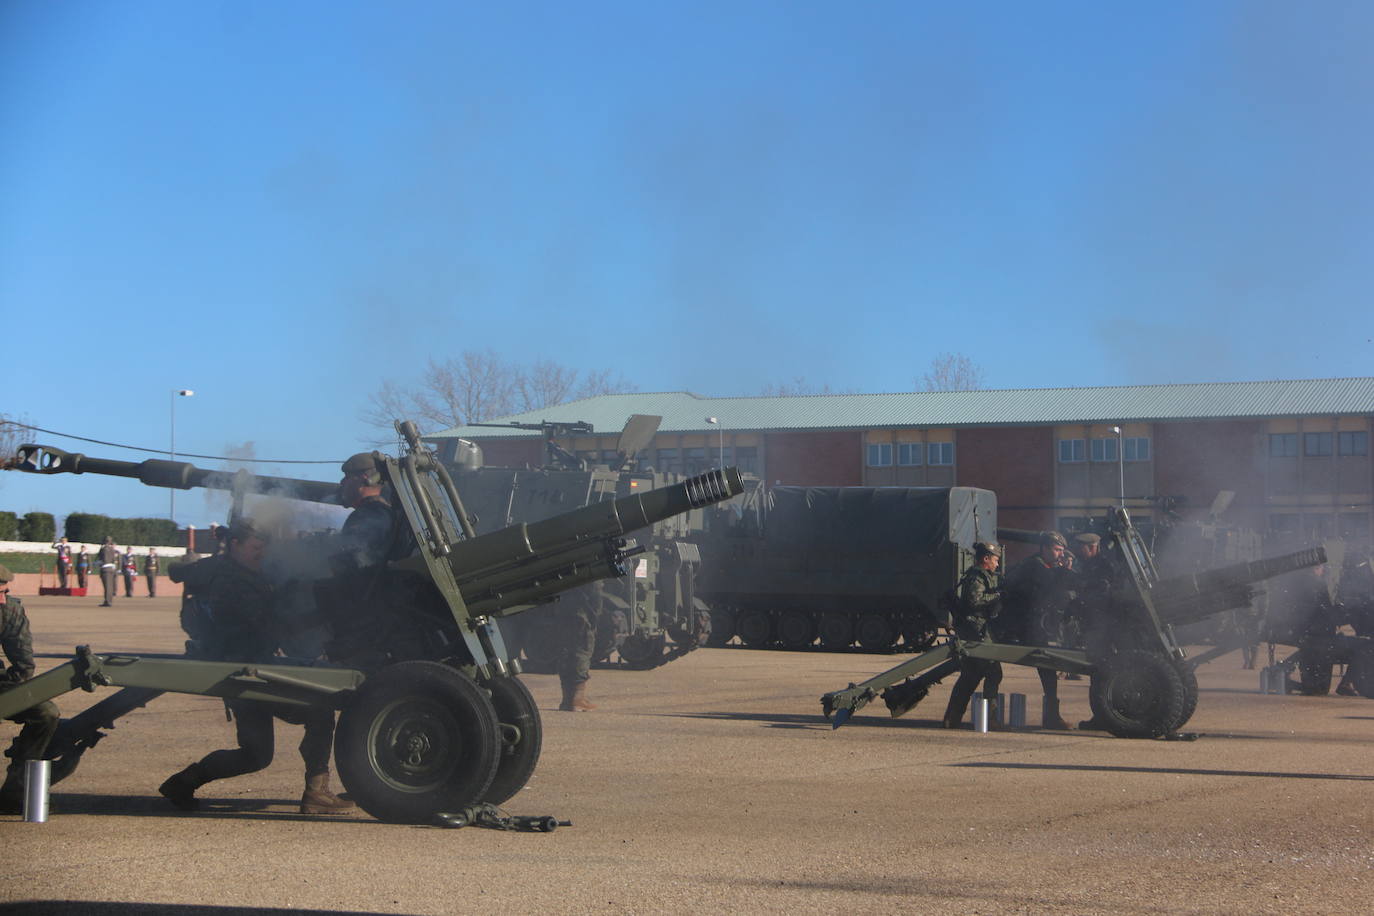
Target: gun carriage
(1142,683)
(433,717)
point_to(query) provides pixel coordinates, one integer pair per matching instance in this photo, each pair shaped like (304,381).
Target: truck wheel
(837,630)
(417,739)
(522,737)
(642,652)
(1137,694)
(722,627)
(755,629)
(796,630)
(1362,673)
(876,633)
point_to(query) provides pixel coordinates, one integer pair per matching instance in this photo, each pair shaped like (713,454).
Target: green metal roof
(683,411)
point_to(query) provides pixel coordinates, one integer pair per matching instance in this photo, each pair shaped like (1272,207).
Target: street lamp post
(1120,464)
(721,426)
(172,443)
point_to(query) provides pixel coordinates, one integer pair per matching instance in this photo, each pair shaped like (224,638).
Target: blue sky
(281,205)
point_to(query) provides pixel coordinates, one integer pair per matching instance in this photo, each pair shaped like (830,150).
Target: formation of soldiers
(125,564)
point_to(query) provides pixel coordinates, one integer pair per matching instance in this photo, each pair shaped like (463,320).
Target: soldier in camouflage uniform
(1037,591)
(239,624)
(39,722)
(979,602)
(576,627)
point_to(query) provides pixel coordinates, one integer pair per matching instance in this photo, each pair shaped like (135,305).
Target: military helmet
(5,574)
(983,548)
(244,528)
(1052,539)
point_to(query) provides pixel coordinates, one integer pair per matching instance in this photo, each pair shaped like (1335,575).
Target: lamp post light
(721,426)
(172,444)
(1120,464)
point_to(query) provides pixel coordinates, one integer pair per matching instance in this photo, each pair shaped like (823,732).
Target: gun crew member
(39,722)
(238,623)
(979,602)
(1036,591)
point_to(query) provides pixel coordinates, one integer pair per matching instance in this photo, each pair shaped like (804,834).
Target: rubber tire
(1138,694)
(722,627)
(643,653)
(836,630)
(514,706)
(755,629)
(875,633)
(1187,675)
(1362,673)
(796,630)
(426,701)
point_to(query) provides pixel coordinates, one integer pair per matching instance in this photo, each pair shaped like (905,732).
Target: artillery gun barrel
(1183,599)
(525,560)
(1019,534)
(175,475)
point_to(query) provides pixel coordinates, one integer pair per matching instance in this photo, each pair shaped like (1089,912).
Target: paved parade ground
(714,785)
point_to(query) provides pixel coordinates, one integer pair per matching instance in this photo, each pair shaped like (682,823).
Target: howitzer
(1142,685)
(436,720)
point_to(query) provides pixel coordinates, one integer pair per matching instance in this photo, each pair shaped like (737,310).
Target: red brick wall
(1017,463)
(814,459)
(1195,460)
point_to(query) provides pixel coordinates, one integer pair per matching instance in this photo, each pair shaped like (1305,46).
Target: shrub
(9,526)
(37,526)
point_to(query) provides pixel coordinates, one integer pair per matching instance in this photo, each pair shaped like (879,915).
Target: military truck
(645,619)
(1142,685)
(433,717)
(838,567)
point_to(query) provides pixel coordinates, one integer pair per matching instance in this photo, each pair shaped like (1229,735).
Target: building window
(1283,445)
(1137,448)
(1104,450)
(1070,450)
(747,458)
(1352,443)
(695,461)
(1355,527)
(1284,523)
(1072,524)
(880,455)
(1316,445)
(668,460)
(908,453)
(940,453)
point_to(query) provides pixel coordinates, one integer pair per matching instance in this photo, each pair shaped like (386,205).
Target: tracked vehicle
(433,718)
(1142,684)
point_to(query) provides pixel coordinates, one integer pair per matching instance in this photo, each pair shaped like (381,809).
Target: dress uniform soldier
(83,566)
(150,567)
(39,722)
(129,565)
(64,561)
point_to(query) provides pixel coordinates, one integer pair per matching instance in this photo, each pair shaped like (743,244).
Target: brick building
(1295,453)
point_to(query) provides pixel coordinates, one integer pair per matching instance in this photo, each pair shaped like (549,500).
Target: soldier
(240,626)
(979,602)
(107,557)
(575,624)
(150,567)
(83,565)
(39,722)
(1037,589)
(367,532)
(129,566)
(64,561)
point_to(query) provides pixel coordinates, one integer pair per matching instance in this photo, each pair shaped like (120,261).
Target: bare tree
(13,433)
(479,385)
(952,372)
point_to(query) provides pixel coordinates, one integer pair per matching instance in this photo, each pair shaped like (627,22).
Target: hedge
(37,526)
(86,528)
(9,526)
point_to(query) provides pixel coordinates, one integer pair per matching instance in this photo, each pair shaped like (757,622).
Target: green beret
(1052,539)
(361,463)
(5,574)
(1087,537)
(244,528)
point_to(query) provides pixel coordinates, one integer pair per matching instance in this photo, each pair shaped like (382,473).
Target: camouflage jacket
(979,602)
(17,642)
(365,537)
(239,607)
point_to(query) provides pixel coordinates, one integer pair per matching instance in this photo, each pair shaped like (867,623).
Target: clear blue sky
(281,204)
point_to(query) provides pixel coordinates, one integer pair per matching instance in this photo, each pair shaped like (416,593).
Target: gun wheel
(418,738)
(522,737)
(1187,675)
(1138,694)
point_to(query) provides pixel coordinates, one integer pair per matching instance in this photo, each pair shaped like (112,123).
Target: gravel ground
(713,785)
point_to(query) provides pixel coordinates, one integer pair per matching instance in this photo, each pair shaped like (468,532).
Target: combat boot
(180,788)
(575,698)
(12,793)
(319,799)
